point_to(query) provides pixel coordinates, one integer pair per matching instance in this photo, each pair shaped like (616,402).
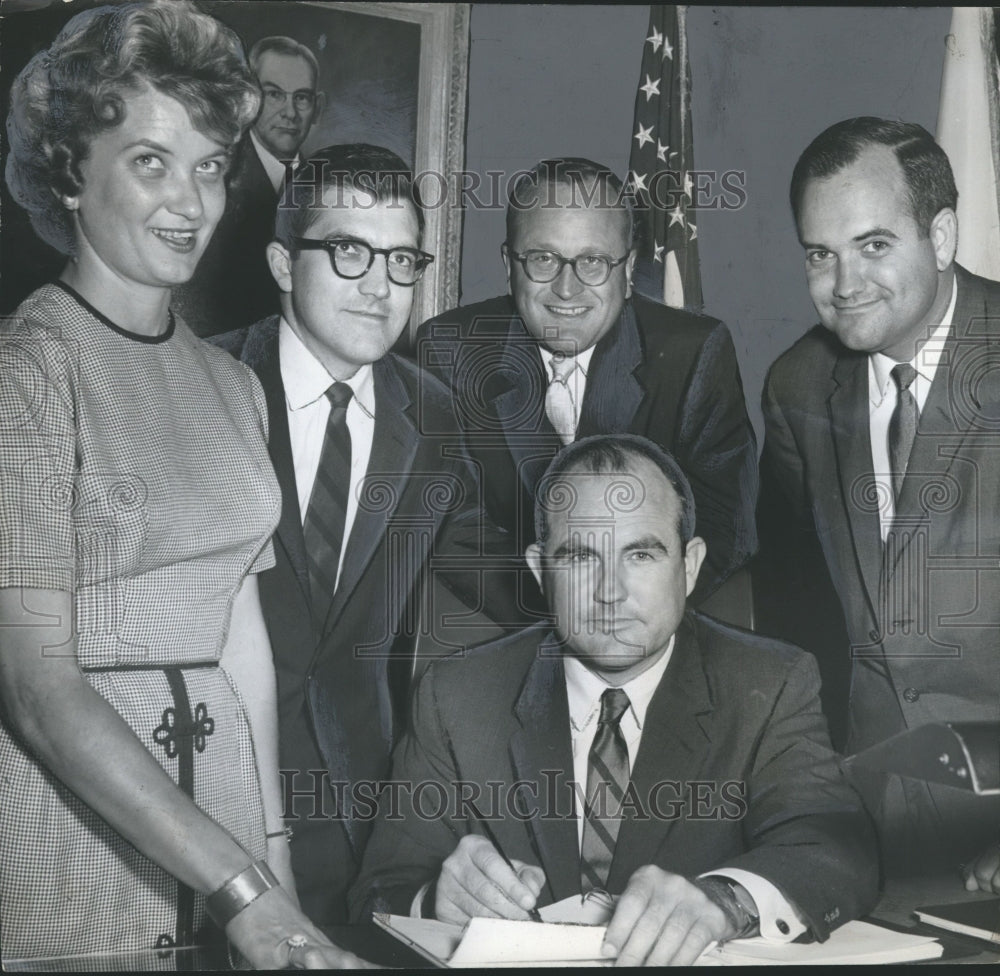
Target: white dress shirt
(583,691)
(273,166)
(882,396)
(306,381)
(577,382)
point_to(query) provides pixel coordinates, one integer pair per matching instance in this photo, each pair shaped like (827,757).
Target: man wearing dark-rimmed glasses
(232,287)
(373,480)
(572,351)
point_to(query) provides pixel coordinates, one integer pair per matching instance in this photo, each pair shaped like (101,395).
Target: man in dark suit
(374,485)
(880,515)
(232,286)
(734,814)
(625,363)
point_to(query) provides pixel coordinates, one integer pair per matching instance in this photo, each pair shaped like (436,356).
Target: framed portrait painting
(395,75)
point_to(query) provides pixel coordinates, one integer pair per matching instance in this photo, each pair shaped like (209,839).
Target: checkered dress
(134,473)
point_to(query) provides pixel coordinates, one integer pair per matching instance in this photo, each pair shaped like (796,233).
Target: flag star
(688,184)
(643,135)
(656,39)
(676,216)
(658,253)
(661,151)
(694,231)
(639,181)
(668,50)
(651,87)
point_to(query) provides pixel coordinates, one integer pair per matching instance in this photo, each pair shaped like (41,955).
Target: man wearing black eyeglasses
(232,287)
(374,481)
(571,351)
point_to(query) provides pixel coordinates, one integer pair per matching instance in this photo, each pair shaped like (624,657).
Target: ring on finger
(295,942)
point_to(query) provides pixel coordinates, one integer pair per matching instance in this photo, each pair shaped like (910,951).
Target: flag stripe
(661,163)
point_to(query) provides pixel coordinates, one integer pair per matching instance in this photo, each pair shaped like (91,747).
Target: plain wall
(561,80)
(544,81)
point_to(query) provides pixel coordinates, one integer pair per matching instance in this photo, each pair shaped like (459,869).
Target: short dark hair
(930,183)
(356,165)
(288,46)
(610,454)
(69,93)
(593,181)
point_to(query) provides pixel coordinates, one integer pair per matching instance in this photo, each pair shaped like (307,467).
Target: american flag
(661,163)
(968,130)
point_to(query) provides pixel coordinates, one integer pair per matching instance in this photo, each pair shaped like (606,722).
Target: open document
(572,931)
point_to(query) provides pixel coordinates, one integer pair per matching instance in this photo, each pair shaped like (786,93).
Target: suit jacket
(667,374)
(735,713)
(918,619)
(232,286)
(343,690)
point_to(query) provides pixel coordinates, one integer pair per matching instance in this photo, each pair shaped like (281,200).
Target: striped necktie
(323,529)
(607,780)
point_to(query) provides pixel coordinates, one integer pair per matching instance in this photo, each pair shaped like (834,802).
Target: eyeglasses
(353,259)
(275,98)
(545,266)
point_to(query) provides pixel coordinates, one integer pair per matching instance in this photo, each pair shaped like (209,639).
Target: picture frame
(395,75)
(440,134)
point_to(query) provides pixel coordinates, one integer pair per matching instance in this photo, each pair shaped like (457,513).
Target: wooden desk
(895,907)
(367,941)
(900,898)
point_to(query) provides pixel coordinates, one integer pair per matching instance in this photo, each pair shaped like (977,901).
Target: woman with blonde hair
(138,754)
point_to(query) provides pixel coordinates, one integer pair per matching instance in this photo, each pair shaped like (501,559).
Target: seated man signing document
(640,748)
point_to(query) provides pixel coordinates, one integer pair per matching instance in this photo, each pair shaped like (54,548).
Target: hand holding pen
(492,838)
(478,879)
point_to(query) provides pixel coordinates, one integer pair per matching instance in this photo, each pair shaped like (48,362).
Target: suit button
(873,635)
(911,695)
(782,926)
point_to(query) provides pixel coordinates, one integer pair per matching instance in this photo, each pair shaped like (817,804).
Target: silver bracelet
(238,892)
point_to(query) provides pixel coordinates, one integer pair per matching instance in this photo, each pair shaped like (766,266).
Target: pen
(491,837)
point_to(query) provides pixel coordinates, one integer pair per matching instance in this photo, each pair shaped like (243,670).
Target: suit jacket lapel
(613,392)
(365,680)
(849,421)
(520,405)
(542,743)
(957,382)
(248,179)
(675,743)
(260,353)
(394,446)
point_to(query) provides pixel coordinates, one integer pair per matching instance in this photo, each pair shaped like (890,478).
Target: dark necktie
(323,529)
(286,179)
(607,779)
(902,425)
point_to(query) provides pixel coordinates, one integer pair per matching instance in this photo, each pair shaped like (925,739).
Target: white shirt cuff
(778,921)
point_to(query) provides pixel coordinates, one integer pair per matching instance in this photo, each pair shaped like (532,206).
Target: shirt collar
(306,380)
(582,359)
(925,362)
(584,689)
